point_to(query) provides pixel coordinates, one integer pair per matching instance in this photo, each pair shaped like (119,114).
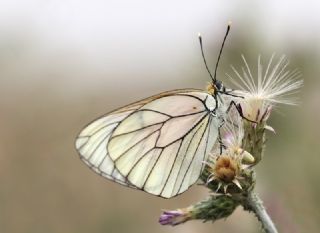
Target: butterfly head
(219,86)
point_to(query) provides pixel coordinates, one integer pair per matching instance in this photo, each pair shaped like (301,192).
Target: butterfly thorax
(213,89)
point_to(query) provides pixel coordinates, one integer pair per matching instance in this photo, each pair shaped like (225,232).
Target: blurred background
(65,63)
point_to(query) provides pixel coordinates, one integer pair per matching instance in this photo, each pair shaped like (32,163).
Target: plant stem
(253,203)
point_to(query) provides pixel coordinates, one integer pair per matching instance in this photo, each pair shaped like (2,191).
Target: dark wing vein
(99,144)
(152,169)
(135,164)
(103,127)
(135,145)
(193,154)
(136,130)
(176,155)
(194,126)
(185,156)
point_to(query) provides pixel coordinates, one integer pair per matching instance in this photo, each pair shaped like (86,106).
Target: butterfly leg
(229,93)
(222,146)
(239,110)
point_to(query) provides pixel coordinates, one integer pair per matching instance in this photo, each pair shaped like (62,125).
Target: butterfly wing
(93,139)
(157,145)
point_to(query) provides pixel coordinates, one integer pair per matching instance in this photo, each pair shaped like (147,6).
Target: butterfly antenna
(204,59)
(224,40)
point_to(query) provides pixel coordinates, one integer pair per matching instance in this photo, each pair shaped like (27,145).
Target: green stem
(214,208)
(253,203)
(254,139)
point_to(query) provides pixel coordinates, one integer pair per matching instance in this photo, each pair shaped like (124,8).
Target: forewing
(93,139)
(160,147)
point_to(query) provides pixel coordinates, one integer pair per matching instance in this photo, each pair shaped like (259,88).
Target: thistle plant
(229,172)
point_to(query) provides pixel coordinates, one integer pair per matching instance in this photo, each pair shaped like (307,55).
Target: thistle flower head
(228,168)
(224,170)
(273,85)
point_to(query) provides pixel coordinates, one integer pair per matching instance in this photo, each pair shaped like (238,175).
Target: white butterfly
(157,144)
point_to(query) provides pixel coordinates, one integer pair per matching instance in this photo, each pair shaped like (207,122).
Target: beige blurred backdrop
(64,63)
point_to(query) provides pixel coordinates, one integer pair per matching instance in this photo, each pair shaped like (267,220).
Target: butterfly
(158,144)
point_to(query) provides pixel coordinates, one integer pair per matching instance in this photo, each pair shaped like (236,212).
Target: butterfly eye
(219,85)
